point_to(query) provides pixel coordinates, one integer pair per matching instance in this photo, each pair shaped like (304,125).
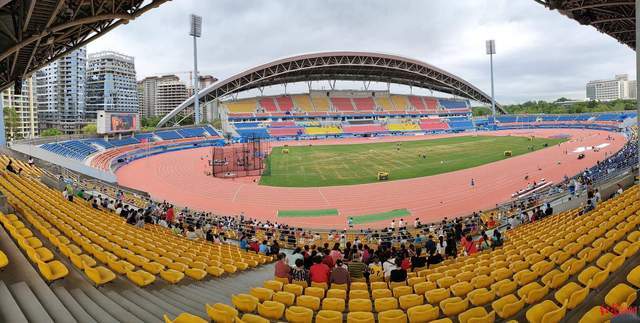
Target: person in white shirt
(393,224)
(401,224)
(388,266)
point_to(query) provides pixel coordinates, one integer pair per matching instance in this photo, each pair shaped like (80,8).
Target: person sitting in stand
(282,269)
(399,274)
(339,274)
(319,271)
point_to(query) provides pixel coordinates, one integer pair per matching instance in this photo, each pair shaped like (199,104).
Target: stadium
(324,204)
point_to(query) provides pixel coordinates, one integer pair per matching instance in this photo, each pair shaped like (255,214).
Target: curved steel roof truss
(348,66)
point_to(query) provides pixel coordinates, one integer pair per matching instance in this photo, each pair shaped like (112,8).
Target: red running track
(179,177)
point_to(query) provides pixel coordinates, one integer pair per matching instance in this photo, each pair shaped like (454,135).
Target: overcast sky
(540,53)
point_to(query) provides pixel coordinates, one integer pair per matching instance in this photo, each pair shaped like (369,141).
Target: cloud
(540,53)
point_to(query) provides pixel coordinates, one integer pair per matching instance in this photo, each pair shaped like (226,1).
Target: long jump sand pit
(180,177)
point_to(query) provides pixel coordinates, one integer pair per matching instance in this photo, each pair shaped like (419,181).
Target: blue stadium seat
(253,132)
(168,135)
(192,132)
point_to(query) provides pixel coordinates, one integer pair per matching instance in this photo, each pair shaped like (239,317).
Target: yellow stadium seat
(333,304)
(360,305)
(501,274)
(482,281)
(171,276)
(360,317)
(358,294)
(392,316)
(271,310)
(481,296)
(221,313)
(633,277)
(52,270)
(573,293)
(410,300)
(379,285)
(99,275)
(359,286)
(252,318)
(572,266)
(215,271)
(261,293)
(446,282)
(533,292)
(507,306)
(120,266)
(461,289)
(555,278)
(298,314)
(542,267)
(314,291)
(402,290)
(546,311)
(337,293)
(153,267)
(185,318)
(415,280)
(610,261)
(385,304)
(454,306)
(80,261)
(244,302)
(423,313)
(195,273)
(622,295)
(328,316)
(42,254)
(524,277)
(477,315)
(294,289)
(437,295)
(596,315)
(4,260)
(504,287)
(307,301)
(593,277)
(285,298)
(229,268)
(340,286)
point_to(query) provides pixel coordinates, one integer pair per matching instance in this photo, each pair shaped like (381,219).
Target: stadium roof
(36,32)
(615,18)
(345,65)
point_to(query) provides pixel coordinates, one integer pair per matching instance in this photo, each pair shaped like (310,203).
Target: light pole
(491,49)
(196,31)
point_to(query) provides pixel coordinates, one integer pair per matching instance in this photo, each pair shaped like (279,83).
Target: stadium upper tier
(81,149)
(363,102)
(372,123)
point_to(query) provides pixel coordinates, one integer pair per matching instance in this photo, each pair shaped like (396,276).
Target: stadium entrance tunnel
(342,66)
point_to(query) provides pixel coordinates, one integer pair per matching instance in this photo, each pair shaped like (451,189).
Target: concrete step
(166,304)
(136,309)
(97,312)
(144,303)
(73,306)
(117,311)
(29,303)
(182,302)
(9,309)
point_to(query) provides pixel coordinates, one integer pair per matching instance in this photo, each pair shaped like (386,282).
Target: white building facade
(111,84)
(60,93)
(607,90)
(22,122)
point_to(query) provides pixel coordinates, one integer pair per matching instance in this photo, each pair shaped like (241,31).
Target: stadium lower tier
(55,253)
(180,177)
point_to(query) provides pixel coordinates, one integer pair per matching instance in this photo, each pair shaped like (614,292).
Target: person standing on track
(473,183)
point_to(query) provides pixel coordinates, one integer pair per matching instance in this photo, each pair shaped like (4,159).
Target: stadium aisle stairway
(548,271)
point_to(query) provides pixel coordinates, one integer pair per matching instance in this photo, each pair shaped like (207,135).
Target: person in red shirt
(319,272)
(470,245)
(282,268)
(254,246)
(170,215)
(328,260)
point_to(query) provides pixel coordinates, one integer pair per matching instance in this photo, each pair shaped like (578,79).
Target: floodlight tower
(491,49)
(196,32)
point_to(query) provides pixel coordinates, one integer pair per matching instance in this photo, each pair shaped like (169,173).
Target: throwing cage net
(240,160)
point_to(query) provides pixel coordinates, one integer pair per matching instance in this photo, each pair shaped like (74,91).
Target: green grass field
(313,166)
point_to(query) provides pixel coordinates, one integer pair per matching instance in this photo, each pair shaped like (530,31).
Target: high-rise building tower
(169,94)
(60,93)
(111,84)
(149,87)
(21,116)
